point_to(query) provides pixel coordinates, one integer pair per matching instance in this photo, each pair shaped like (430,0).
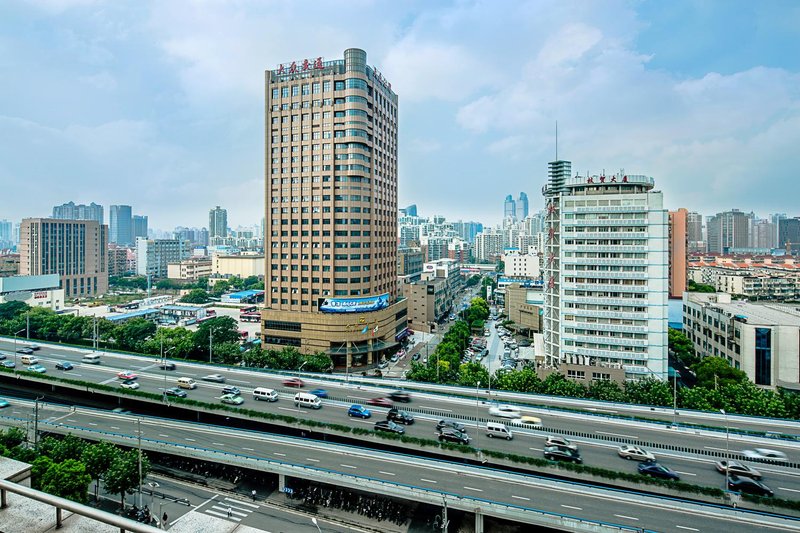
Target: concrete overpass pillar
(281,482)
(478,521)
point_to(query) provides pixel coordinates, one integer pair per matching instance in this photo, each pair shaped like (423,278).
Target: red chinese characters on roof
(303,65)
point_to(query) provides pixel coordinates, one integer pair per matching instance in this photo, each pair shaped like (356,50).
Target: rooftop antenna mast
(556,140)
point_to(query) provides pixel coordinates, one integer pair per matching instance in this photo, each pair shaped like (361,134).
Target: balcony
(604,235)
(601,248)
(604,274)
(606,314)
(614,341)
(605,222)
(609,354)
(628,302)
(627,289)
(619,328)
(599,261)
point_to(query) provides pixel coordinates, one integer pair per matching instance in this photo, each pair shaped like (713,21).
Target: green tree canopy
(98,458)
(67,479)
(122,475)
(714,372)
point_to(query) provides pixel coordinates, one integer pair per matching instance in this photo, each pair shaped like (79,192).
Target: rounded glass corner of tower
(355,60)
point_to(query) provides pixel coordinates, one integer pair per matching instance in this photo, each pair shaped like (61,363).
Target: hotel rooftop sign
(303,65)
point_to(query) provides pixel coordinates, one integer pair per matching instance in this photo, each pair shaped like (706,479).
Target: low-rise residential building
(9,265)
(121,260)
(761,339)
(522,264)
(430,299)
(242,266)
(409,264)
(36,291)
(190,269)
(757,278)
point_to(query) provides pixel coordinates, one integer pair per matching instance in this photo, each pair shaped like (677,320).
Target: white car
(627,451)
(764,453)
(505,411)
(129,384)
(561,442)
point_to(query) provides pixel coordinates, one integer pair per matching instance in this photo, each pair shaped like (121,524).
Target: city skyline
(719,112)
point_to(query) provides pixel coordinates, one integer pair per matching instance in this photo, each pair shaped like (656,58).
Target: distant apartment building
(118,264)
(728,230)
(71,211)
(196,236)
(761,339)
(605,272)
(76,250)
(153,256)
(522,263)
(764,235)
(191,269)
(139,227)
(489,245)
(217,222)
(409,263)
(7,240)
(678,257)
(789,235)
(430,300)
(694,232)
(522,206)
(36,291)
(121,225)
(509,208)
(9,265)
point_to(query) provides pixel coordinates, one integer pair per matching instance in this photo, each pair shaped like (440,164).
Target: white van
(187,383)
(496,429)
(91,358)
(28,360)
(262,393)
(304,399)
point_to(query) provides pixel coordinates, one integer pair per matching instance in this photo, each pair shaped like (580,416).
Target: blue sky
(160,104)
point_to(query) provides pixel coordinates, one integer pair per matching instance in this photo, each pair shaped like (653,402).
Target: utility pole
(28,325)
(674,395)
(210,337)
(36,421)
(139,431)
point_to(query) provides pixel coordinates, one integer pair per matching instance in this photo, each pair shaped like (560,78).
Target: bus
(132,305)
(248,310)
(250,317)
(204,319)
(211,313)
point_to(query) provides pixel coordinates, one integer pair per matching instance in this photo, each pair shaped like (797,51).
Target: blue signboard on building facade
(354,305)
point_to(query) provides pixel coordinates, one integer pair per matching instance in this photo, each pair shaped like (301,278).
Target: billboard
(354,305)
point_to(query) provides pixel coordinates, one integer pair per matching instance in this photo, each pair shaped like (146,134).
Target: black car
(25,351)
(652,468)
(452,424)
(2,357)
(388,425)
(748,485)
(401,417)
(230,389)
(64,365)
(557,453)
(415,357)
(175,391)
(400,396)
(452,435)
(167,366)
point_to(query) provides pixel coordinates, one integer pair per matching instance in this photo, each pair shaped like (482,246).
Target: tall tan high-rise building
(331,210)
(678,244)
(76,250)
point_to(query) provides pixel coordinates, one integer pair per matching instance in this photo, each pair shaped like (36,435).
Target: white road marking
(114,427)
(312,460)
(437,409)
(572,507)
(626,517)
(685,527)
(792,490)
(162,435)
(348,466)
(239,381)
(279,454)
(92,423)
(217,444)
(521,498)
(254,506)
(685,473)
(190,440)
(713,448)
(473,488)
(537,449)
(427,480)
(249,449)
(617,435)
(223,515)
(214,497)
(358,398)
(386,473)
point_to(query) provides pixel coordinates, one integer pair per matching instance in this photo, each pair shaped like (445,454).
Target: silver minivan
(496,429)
(262,393)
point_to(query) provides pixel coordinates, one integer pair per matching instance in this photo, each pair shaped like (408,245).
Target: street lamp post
(153,485)
(164,362)
(477,385)
(210,340)
(139,432)
(727,450)
(15,349)
(675,395)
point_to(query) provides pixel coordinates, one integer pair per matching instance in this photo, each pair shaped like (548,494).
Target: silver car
(627,451)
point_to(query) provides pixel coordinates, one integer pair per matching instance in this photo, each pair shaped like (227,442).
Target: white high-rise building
(606,272)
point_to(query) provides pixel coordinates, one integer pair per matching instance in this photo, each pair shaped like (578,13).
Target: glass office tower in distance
(331,211)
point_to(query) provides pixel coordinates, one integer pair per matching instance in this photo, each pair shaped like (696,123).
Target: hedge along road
(527,491)
(604,431)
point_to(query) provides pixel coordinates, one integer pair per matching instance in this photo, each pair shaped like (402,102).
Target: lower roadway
(525,491)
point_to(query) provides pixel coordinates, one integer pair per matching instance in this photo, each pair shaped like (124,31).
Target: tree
(179,342)
(558,385)
(70,447)
(225,329)
(132,334)
(12,437)
(606,390)
(98,458)
(714,372)
(67,479)
(471,373)
(10,310)
(682,347)
(318,362)
(39,467)
(122,475)
(699,287)
(195,296)
(649,391)
(220,288)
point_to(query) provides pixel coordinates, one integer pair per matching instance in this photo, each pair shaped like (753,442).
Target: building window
(763,356)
